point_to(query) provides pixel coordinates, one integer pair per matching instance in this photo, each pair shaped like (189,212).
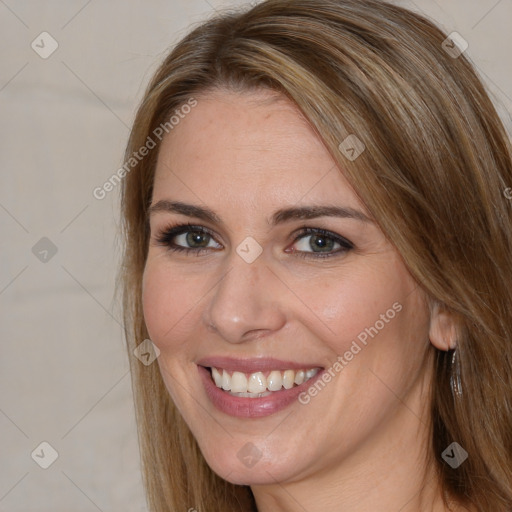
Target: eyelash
(166,236)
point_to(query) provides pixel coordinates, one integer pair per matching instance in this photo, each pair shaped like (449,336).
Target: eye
(309,242)
(188,238)
(316,242)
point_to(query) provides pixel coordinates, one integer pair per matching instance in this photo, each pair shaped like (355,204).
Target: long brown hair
(433,175)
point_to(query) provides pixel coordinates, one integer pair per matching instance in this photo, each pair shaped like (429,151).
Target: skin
(361,443)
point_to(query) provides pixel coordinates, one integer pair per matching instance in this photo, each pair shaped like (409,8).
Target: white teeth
(288,378)
(217,377)
(275,381)
(311,373)
(238,382)
(226,381)
(256,385)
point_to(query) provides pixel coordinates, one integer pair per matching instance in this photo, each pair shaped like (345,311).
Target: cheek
(353,305)
(168,301)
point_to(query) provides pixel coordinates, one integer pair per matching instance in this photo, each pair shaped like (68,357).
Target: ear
(443,328)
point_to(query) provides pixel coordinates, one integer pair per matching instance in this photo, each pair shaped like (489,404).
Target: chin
(248,465)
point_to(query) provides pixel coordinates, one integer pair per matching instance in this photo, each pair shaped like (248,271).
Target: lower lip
(244,407)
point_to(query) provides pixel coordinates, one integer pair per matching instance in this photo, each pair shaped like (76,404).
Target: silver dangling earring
(455,381)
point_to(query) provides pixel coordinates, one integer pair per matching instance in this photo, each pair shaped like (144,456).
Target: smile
(259,384)
(257,387)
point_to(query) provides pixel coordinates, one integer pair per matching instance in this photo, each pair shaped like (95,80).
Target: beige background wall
(64,122)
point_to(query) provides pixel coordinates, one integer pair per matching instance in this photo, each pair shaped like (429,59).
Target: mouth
(259,384)
(255,388)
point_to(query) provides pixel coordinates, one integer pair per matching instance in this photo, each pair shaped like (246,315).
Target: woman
(318,246)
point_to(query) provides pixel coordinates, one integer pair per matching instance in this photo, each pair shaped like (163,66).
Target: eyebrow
(279,217)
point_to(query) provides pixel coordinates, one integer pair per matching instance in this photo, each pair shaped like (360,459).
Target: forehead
(250,146)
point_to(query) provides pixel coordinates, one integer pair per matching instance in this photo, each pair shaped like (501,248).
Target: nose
(245,304)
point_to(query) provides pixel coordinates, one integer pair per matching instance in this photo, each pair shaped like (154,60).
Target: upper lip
(253,365)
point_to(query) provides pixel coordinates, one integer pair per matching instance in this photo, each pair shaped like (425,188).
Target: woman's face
(282,274)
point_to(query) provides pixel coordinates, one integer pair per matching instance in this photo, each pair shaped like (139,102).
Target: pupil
(323,243)
(196,238)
